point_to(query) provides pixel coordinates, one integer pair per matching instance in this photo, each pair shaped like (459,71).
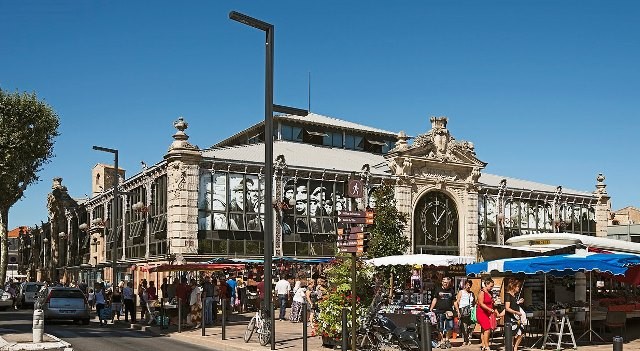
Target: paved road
(93,337)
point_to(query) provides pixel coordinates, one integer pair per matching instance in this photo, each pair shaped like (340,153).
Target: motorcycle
(379,332)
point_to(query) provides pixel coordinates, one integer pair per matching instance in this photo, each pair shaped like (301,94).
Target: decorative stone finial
(180,137)
(401,144)
(57,183)
(601,187)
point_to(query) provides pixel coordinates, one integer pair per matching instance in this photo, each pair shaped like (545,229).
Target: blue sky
(548,91)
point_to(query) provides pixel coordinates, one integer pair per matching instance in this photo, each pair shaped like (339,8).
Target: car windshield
(65,294)
(32,288)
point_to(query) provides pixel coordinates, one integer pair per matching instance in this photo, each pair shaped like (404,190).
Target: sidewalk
(289,337)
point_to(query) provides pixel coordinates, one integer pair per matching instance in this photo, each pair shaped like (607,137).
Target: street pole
(114,214)
(268,156)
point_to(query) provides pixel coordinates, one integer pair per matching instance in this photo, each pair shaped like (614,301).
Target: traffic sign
(352,236)
(352,214)
(357,242)
(355,220)
(355,188)
(351,249)
(356,229)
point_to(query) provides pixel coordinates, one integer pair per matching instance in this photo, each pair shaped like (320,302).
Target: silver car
(28,293)
(5,300)
(63,304)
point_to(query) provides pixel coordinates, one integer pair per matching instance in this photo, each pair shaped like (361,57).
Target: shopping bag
(493,321)
(105,313)
(474,317)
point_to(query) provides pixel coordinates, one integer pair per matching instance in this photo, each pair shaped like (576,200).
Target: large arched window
(436,225)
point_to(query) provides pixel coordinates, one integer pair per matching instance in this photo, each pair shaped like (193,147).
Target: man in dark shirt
(443,305)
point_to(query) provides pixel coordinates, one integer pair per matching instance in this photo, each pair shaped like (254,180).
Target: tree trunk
(4,244)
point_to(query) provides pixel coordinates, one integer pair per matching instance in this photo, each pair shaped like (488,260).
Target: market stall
(614,264)
(415,296)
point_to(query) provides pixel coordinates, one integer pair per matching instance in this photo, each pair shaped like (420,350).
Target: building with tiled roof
(201,204)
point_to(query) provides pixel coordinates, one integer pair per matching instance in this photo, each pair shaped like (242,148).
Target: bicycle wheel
(250,328)
(264,333)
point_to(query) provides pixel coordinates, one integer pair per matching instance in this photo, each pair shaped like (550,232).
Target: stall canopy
(275,260)
(195,267)
(421,259)
(616,264)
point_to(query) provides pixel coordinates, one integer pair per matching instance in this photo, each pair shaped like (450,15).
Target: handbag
(465,311)
(474,317)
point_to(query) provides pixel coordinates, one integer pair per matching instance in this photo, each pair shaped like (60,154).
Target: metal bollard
(425,344)
(202,321)
(304,327)
(224,319)
(38,325)
(617,343)
(272,326)
(179,315)
(345,330)
(427,332)
(508,336)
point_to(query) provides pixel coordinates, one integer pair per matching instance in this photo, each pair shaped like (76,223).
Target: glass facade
(231,214)
(530,216)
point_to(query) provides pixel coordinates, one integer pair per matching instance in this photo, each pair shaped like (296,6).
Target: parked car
(62,303)
(5,300)
(28,293)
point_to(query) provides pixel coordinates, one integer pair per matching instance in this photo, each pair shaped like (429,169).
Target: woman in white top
(195,301)
(299,299)
(466,301)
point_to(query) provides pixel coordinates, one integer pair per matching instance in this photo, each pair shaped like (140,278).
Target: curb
(58,344)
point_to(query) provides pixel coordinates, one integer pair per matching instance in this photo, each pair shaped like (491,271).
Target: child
(91,298)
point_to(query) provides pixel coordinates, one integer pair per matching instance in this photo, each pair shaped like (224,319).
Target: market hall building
(196,204)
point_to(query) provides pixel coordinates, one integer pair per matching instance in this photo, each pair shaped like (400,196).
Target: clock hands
(439,217)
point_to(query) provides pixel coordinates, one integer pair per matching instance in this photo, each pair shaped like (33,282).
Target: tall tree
(387,233)
(28,128)
(388,237)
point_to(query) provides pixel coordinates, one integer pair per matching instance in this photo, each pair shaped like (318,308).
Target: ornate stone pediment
(436,156)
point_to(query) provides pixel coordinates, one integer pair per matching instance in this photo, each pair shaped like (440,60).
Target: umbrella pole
(590,331)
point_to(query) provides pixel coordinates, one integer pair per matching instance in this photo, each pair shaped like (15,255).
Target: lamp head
(250,21)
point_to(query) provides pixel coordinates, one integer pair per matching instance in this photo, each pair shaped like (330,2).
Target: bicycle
(261,324)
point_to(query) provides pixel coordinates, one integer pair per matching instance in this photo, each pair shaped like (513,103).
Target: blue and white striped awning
(616,264)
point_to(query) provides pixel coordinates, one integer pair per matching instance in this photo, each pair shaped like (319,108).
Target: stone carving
(438,144)
(438,174)
(400,166)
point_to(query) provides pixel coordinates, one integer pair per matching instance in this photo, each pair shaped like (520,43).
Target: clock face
(437,219)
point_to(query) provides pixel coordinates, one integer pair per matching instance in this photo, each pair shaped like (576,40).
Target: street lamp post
(269,109)
(268,157)
(114,214)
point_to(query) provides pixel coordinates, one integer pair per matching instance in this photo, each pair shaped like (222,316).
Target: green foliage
(387,233)
(28,128)
(27,131)
(339,295)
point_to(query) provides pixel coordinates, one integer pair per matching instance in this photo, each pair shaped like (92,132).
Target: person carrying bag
(466,302)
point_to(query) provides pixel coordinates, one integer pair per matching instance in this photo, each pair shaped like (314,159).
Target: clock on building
(438,218)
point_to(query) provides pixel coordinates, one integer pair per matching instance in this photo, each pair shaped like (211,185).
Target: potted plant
(339,297)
